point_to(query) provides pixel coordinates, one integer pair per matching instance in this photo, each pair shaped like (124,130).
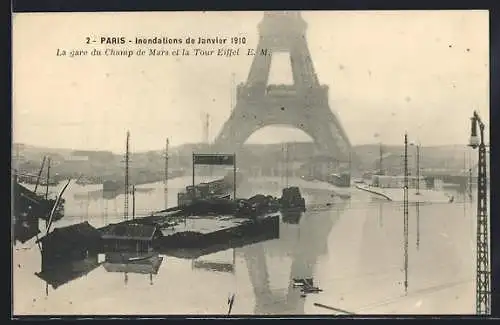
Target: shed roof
(130,232)
(75,233)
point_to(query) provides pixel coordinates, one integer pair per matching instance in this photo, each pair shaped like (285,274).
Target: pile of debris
(306,286)
(257,205)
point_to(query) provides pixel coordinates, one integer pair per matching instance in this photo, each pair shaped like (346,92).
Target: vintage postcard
(250,163)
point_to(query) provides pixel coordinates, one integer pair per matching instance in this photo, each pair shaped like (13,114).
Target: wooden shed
(71,243)
(130,237)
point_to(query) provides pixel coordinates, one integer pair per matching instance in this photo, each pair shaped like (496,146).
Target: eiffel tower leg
(236,131)
(322,130)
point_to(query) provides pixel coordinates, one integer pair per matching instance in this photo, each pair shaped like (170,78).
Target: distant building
(77,158)
(94,156)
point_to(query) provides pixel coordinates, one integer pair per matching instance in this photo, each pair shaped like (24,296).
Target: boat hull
(397,194)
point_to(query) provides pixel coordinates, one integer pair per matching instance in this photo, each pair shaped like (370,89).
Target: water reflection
(58,274)
(304,246)
(194,253)
(215,266)
(291,217)
(68,253)
(133,263)
(359,270)
(381,214)
(417,207)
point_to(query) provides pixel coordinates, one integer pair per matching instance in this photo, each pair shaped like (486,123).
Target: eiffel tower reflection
(304,243)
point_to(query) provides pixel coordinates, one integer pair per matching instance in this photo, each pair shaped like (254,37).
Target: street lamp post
(482,235)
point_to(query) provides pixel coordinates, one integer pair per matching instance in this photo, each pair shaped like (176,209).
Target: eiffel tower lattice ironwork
(303,105)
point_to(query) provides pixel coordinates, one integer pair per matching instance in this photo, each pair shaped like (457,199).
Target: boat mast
(48,177)
(40,173)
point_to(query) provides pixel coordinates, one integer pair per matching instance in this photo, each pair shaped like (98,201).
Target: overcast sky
(388,72)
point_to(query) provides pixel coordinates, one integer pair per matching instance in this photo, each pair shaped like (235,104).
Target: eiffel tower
(303,105)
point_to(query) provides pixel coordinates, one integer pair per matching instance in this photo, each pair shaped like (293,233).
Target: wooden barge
(191,232)
(195,227)
(196,232)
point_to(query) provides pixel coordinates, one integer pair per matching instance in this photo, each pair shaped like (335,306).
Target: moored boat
(391,188)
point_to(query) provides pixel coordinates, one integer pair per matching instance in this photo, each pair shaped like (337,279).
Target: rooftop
(73,233)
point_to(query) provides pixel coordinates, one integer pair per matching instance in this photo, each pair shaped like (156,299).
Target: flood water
(353,250)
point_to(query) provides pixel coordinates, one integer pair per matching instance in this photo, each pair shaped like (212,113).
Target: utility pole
(380,163)
(482,253)
(165,180)
(470,183)
(205,117)
(418,169)
(127,157)
(470,177)
(16,168)
(133,201)
(418,193)
(282,165)
(87,206)
(405,213)
(286,165)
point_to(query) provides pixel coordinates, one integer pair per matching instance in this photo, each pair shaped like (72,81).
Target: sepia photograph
(251,163)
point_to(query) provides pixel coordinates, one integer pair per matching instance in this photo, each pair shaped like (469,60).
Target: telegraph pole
(482,253)
(286,165)
(165,180)
(405,213)
(470,178)
(380,163)
(133,201)
(206,128)
(418,169)
(127,157)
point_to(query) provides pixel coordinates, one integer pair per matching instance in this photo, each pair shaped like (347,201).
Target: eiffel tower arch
(303,105)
